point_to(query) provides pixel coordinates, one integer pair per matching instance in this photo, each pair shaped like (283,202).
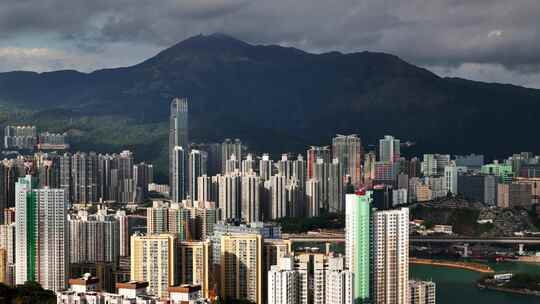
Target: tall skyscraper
(154,260)
(320,173)
(178,129)
(41,235)
(313,197)
(84,174)
(230,196)
(391,256)
(300,171)
(193,261)
(348,150)
(213,151)
(232,165)
(336,194)
(265,167)
(7,242)
(65,174)
(241,267)
(389,149)
(248,165)
(179,169)
(49,172)
(123,228)
(179,222)
(94,237)
(284,166)
(315,153)
(295,199)
(207,189)
(157,219)
(357,242)
(197,167)
(143,175)
(251,197)
(278,197)
(339,282)
(228,148)
(26,231)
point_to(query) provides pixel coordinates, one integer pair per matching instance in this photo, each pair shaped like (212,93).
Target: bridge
(340,238)
(496,240)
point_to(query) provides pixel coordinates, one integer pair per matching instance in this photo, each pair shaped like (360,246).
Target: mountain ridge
(293,97)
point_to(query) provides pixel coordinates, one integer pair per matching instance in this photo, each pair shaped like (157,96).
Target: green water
(458,286)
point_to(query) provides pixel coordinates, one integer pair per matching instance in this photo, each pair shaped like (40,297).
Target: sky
(485,40)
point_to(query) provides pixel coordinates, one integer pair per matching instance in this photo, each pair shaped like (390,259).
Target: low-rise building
(84,291)
(186,294)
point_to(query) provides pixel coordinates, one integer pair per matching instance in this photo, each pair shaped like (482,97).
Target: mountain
(276,99)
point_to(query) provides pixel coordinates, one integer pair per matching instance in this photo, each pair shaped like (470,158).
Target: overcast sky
(488,40)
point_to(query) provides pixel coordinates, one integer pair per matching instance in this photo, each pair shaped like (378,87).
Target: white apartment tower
(251,186)
(339,282)
(41,235)
(391,256)
(283,283)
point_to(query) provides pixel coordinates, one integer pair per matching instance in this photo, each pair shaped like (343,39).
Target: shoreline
(481,268)
(524,292)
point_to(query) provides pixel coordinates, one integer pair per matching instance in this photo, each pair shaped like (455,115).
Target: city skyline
(234,151)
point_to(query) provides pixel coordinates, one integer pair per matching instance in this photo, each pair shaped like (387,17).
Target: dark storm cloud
(438,33)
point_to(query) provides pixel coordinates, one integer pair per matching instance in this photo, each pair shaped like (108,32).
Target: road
(339,238)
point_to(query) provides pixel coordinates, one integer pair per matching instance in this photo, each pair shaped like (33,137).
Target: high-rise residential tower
(348,150)
(357,242)
(284,282)
(154,260)
(193,261)
(230,196)
(93,238)
(179,169)
(196,167)
(228,148)
(336,197)
(251,198)
(265,167)
(241,267)
(391,256)
(178,129)
(389,149)
(84,175)
(41,235)
(26,231)
(315,153)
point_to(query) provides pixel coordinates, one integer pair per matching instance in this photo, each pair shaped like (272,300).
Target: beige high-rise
(241,267)
(193,259)
(153,260)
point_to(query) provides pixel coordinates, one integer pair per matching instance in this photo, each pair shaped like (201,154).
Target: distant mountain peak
(215,40)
